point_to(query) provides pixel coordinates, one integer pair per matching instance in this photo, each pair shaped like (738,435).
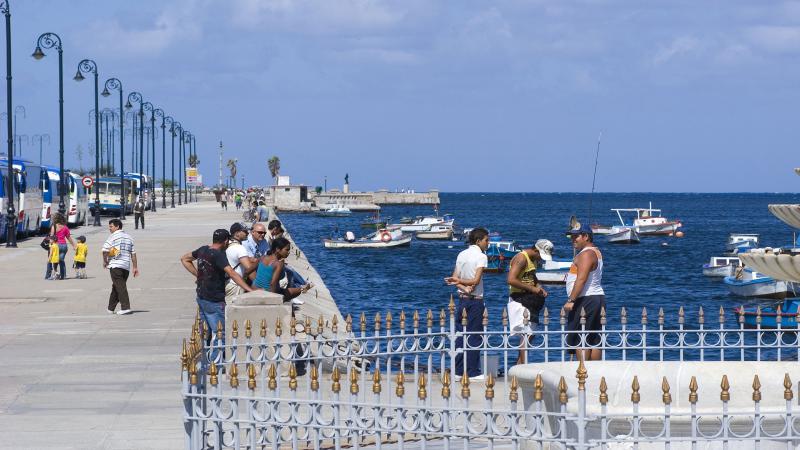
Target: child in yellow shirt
(52,260)
(81,249)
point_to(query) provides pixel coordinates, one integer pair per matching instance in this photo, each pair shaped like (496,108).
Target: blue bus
(27,179)
(110,191)
(50,176)
(142,187)
(77,200)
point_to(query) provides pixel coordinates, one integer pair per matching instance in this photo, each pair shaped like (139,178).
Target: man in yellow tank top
(525,289)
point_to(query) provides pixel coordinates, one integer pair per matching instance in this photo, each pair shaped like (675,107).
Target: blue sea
(649,275)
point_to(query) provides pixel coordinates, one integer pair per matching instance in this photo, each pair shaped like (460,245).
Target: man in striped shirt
(118,255)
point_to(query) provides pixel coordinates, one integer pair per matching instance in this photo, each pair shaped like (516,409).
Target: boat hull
(332,214)
(719,271)
(739,246)
(768,317)
(552,277)
(623,236)
(602,229)
(435,235)
(336,244)
(761,288)
(660,229)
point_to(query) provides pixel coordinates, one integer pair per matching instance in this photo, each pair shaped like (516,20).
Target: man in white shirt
(118,256)
(468,279)
(238,258)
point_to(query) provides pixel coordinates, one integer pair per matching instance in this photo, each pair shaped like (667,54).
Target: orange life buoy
(386,236)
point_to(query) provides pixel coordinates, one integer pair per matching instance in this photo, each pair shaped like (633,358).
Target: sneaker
(123,312)
(110,311)
(297,301)
(480,377)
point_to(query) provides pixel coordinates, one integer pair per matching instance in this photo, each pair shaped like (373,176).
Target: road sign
(191,175)
(87,181)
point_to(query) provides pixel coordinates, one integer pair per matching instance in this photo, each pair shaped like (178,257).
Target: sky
(456,95)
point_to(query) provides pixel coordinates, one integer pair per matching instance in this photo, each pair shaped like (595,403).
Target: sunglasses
(260,232)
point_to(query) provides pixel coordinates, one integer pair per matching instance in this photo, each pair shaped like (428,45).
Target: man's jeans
(294,279)
(213,313)
(474,310)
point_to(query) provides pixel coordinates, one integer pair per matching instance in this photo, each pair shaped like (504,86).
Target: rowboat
(740,242)
(623,235)
(602,229)
(754,284)
(383,238)
(721,266)
(436,232)
(768,317)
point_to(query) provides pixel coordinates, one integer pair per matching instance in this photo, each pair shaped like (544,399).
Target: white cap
(545,248)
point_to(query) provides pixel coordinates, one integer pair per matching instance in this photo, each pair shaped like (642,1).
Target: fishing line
(594,177)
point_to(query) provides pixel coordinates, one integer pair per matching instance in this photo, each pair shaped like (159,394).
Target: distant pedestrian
(62,235)
(262,213)
(138,211)
(257,244)
(81,250)
(468,279)
(525,293)
(238,258)
(119,256)
(585,292)
(238,200)
(211,273)
(52,261)
(224,200)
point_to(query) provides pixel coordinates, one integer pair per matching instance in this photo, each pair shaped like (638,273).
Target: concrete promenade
(75,377)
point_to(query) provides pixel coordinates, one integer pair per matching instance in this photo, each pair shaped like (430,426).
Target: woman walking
(61,234)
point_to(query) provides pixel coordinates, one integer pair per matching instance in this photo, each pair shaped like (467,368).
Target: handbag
(45,244)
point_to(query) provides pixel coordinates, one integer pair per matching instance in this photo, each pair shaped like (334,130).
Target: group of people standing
(56,245)
(583,286)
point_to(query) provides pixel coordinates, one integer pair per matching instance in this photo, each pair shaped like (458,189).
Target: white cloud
(680,46)
(775,38)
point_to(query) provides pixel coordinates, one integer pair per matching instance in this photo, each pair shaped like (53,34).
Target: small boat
(602,229)
(436,232)
(737,242)
(374,222)
(552,270)
(406,220)
(623,235)
(753,284)
(335,211)
(499,253)
(721,266)
(649,222)
(425,223)
(383,238)
(768,317)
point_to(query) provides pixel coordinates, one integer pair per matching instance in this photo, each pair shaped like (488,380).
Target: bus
(3,201)
(27,196)
(49,193)
(78,200)
(142,188)
(110,191)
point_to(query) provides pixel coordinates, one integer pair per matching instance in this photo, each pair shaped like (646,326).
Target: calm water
(635,276)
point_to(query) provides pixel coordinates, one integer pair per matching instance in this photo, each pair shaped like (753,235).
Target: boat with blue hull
(750,283)
(768,317)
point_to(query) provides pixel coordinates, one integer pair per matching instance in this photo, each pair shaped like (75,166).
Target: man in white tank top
(585,291)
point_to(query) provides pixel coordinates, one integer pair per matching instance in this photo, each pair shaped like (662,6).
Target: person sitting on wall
(272,267)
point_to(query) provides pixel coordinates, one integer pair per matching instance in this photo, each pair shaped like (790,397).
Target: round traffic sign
(87,181)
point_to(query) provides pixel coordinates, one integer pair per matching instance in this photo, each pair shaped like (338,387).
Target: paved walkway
(75,377)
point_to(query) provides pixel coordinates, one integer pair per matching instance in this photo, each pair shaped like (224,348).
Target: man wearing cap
(525,291)
(585,293)
(238,258)
(211,272)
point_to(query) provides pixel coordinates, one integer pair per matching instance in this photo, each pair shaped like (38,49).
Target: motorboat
(436,232)
(623,235)
(767,317)
(374,222)
(721,266)
(551,270)
(425,223)
(749,283)
(737,242)
(649,221)
(383,238)
(335,211)
(602,229)
(499,253)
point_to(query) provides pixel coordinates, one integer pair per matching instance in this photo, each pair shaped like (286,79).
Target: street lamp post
(11,215)
(153,156)
(19,109)
(136,97)
(164,120)
(115,84)
(47,41)
(89,66)
(175,126)
(196,163)
(184,161)
(190,164)
(40,138)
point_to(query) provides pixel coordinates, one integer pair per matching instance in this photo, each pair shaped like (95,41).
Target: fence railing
(317,384)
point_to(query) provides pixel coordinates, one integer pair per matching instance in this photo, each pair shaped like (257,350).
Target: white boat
(440,232)
(721,266)
(335,211)
(602,229)
(754,284)
(552,270)
(425,223)
(623,235)
(741,241)
(649,222)
(383,238)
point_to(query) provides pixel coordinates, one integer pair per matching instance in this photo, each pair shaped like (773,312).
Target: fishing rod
(594,177)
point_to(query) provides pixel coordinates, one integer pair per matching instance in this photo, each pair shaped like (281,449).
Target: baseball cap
(583,229)
(237,227)
(220,235)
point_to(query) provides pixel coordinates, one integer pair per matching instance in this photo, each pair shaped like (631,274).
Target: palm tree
(193,161)
(274,165)
(231,164)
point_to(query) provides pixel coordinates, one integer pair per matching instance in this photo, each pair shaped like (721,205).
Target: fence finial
(220,332)
(666,397)
(562,391)
(307,325)
(193,373)
(251,376)
(353,381)
(234,329)
(292,376)
(263,332)
(603,319)
(377,321)
(778,315)
(581,374)
(184,356)
(583,316)
(402,320)
(272,374)
(758,315)
(538,388)
(721,315)
(787,388)
(362,321)
(693,390)
(234,373)
(464,317)
(389,321)
(400,390)
(623,316)
(489,387)
(701,316)
(526,316)
(320,325)
(661,316)
(315,377)
(212,371)
(422,393)
(603,391)
(442,318)
(292,326)
(452,305)
(545,316)
(248,330)
(562,316)
(644,315)
(278,327)
(485,321)
(429,319)
(504,317)
(512,394)
(741,314)
(756,389)
(446,384)
(725,395)
(681,315)
(635,396)
(335,386)
(464,385)
(376,381)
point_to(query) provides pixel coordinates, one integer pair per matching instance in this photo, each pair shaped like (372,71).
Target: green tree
(274,165)
(194,161)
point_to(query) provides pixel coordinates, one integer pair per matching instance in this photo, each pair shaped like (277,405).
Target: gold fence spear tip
(644,315)
(234,373)
(787,387)
(603,391)
(388,321)
(247,329)
(278,328)
(320,324)
(234,329)
(184,356)
(512,394)
(485,322)
(400,390)
(701,316)
(335,386)
(721,314)
(272,373)
(661,316)
(429,318)
(251,376)
(292,376)
(353,381)
(545,316)
(504,317)
(212,371)
(263,327)
(307,324)
(376,381)
(402,319)
(363,322)
(725,395)
(693,390)
(489,387)
(292,326)
(220,331)
(635,396)
(563,313)
(526,315)
(314,378)
(452,305)
(581,374)
(666,397)
(464,317)
(756,389)
(442,318)
(422,393)
(465,392)
(538,388)
(562,391)
(193,373)
(377,321)
(446,384)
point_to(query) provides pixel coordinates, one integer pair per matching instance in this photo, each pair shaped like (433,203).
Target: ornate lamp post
(89,66)
(19,109)
(137,98)
(153,157)
(185,140)
(115,84)
(40,138)
(11,214)
(196,163)
(175,126)
(47,41)
(164,120)
(189,163)
(180,161)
